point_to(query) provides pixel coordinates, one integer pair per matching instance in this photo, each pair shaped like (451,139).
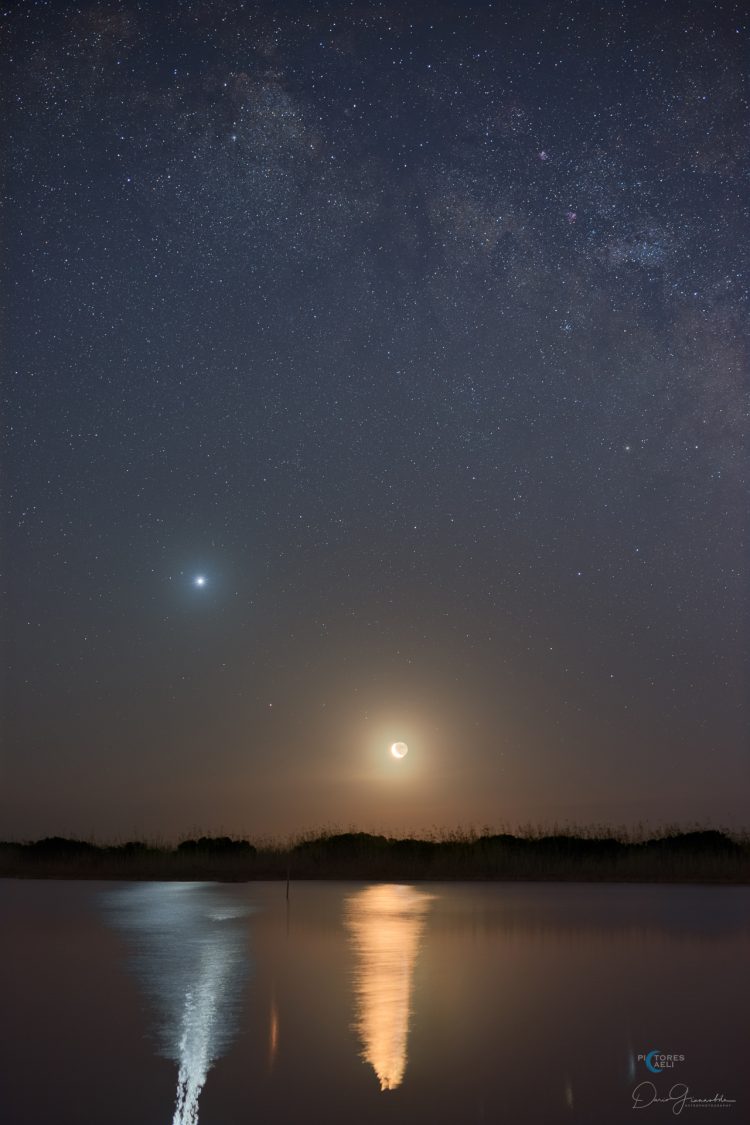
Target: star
(199,580)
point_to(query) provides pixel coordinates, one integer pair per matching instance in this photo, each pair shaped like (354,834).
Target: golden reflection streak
(385,925)
(273,1034)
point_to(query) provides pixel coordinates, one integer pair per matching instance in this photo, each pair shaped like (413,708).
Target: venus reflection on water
(189,944)
(385,925)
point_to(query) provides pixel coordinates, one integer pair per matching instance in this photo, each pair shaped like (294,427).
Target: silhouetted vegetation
(215,846)
(705,856)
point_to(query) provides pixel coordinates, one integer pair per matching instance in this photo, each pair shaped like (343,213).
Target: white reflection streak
(386,925)
(190,960)
(200,1015)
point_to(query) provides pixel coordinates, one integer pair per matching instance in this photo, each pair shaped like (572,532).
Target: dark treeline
(697,856)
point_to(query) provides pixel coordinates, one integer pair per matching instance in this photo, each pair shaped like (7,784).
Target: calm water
(158,1003)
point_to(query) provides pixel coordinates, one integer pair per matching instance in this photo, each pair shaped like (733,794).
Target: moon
(399,749)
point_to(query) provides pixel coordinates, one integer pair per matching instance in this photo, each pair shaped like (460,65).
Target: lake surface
(159,1003)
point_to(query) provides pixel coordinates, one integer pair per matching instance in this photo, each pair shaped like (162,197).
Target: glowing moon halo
(399,749)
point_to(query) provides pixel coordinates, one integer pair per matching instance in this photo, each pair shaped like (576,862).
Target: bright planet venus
(399,749)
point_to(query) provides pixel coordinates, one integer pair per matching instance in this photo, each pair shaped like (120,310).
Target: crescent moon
(399,749)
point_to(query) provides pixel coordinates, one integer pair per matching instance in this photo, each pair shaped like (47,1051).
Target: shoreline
(705,857)
(209,877)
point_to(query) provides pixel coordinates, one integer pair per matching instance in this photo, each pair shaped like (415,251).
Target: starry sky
(418,333)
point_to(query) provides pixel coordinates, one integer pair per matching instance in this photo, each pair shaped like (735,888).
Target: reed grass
(553,853)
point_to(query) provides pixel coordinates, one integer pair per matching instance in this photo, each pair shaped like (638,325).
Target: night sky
(418,332)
